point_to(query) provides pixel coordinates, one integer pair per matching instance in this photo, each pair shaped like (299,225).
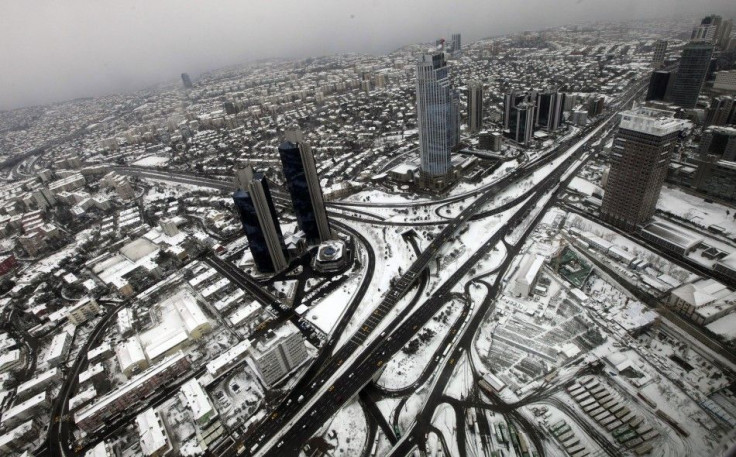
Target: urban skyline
(517,246)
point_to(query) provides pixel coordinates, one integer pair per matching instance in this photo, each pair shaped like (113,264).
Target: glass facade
(297,181)
(691,74)
(437,115)
(257,238)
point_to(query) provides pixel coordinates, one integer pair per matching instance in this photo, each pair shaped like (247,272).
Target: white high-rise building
(437,116)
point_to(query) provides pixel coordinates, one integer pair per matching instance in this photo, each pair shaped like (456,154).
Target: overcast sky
(53,50)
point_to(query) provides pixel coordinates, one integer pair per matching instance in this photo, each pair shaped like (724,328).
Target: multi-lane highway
(371,355)
(339,376)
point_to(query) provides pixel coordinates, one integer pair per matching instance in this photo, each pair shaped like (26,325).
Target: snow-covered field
(404,369)
(697,211)
(347,431)
(152,161)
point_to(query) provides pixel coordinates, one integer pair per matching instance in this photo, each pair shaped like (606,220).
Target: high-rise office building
(302,181)
(660,50)
(510,101)
(705,33)
(521,123)
(691,74)
(549,109)
(722,111)
(186,80)
(475,106)
(639,159)
(719,141)
(456,44)
(658,83)
(709,30)
(277,353)
(261,225)
(724,34)
(437,116)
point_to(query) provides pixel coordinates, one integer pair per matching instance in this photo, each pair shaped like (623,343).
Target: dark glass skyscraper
(186,80)
(521,123)
(261,225)
(691,74)
(301,177)
(550,106)
(658,85)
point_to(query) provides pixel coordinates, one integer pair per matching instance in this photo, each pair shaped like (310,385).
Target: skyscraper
(549,109)
(186,80)
(724,34)
(660,50)
(261,225)
(512,99)
(456,44)
(521,123)
(691,74)
(639,160)
(302,180)
(719,141)
(437,116)
(475,106)
(722,111)
(658,84)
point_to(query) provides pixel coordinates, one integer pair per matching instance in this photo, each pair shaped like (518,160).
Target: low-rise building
(101,352)
(40,382)
(133,392)
(526,276)
(25,410)
(154,439)
(83,310)
(13,442)
(703,301)
(197,400)
(131,357)
(11,360)
(103,449)
(59,348)
(671,237)
(230,359)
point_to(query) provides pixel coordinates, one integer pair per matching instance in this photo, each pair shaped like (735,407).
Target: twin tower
(258,214)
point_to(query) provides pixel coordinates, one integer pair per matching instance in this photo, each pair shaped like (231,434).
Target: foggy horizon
(81,49)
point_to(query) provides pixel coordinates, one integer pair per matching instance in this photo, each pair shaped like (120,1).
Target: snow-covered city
(514,246)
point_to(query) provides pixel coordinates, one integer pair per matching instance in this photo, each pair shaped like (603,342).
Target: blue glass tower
(306,193)
(261,225)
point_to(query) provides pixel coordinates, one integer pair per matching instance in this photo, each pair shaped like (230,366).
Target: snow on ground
(348,431)
(387,406)
(444,420)
(387,244)
(405,366)
(725,326)
(696,210)
(152,161)
(412,407)
(461,381)
(662,264)
(327,311)
(553,417)
(584,187)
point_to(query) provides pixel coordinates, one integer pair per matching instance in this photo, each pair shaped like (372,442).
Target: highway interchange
(340,373)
